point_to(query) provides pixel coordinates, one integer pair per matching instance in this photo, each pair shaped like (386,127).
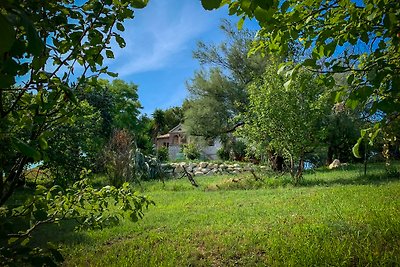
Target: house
(177,137)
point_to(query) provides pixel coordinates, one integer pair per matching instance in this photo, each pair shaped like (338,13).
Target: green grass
(333,218)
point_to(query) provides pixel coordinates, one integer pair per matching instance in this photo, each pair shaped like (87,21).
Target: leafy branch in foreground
(358,38)
(48,51)
(87,206)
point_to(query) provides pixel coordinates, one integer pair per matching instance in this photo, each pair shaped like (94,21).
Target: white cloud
(158,34)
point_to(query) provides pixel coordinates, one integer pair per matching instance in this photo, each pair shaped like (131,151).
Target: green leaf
(265,4)
(373,135)
(12,240)
(71,96)
(40,189)
(134,217)
(330,48)
(112,74)
(26,149)
(287,84)
(139,3)
(240,23)
(309,62)
(356,148)
(120,27)
(120,41)
(261,14)
(364,37)
(40,215)
(350,79)
(35,44)
(211,4)
(7,34)
(281,69)
(109,54)
(25,241)
(285,6)
(43,143)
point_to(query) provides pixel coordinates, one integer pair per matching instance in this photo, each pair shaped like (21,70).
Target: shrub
(232,150)
(223,153)
(162,154)
(191,151)
(119,156)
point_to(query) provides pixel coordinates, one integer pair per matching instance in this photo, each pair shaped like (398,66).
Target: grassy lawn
(335,218)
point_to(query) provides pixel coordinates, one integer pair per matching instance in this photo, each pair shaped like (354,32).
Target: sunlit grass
(333,218)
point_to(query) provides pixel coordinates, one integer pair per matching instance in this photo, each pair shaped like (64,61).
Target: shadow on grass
(349,175)
(369,179)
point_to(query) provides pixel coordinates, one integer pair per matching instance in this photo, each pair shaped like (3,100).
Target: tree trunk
(365,158)
(11,182)
(276,161)
(329,158)
(300,169)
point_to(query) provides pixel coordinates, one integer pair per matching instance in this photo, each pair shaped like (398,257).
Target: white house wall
(209,152)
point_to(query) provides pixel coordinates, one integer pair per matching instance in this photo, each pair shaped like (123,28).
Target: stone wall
(206,168)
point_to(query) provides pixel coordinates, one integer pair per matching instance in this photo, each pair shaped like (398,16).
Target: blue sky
(158,55)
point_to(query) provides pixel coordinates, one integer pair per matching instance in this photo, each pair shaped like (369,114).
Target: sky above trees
(159,44)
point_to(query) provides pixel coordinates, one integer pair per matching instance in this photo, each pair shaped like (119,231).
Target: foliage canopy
(360,39)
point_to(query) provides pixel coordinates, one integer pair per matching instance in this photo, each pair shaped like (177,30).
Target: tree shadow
(360,179)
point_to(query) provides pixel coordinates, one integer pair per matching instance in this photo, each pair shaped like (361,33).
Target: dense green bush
(191,151)
(162,154)
(232,150)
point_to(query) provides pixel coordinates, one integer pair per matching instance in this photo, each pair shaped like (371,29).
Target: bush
(232,150)
(191,151)
(119,156)
(162,154)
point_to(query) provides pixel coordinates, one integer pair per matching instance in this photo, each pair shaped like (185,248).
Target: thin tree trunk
(292,171)
(11,182)
(329,155)
(300,169)
(365,159)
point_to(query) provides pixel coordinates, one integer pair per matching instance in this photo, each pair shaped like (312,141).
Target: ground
(335,217)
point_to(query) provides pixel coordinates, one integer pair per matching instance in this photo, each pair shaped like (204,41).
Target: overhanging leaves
(211,4)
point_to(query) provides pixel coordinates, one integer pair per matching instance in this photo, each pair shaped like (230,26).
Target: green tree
(369,29)
(173,116)
(74,146)
(144,140)
(158,122)
(165,120)
(285,117)
(43,43)
(212,104)
(49,52)
(218,94)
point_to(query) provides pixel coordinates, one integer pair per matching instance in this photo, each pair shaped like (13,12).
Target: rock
(178,168)
(205,170)
(248,168)
(203,164)
(198,173)
(211,172)
(192,165)
(334,164)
